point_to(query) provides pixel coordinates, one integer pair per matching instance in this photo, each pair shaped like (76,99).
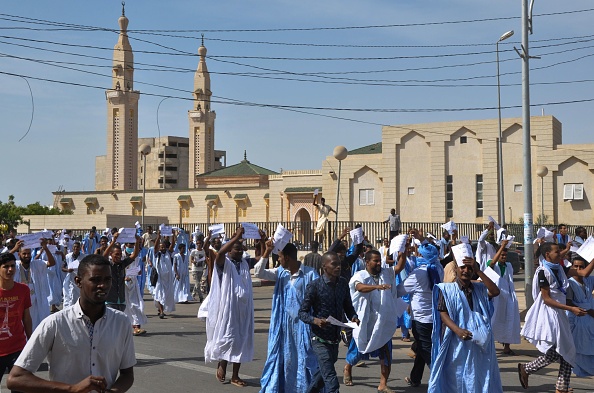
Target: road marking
(186,365)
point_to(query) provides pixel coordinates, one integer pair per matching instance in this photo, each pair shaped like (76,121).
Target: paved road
(170,358)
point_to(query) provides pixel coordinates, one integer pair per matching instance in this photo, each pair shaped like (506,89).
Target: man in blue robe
(463,351)
(291,362)
(90,242)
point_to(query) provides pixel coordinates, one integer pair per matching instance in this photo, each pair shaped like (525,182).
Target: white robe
(377,310)
(70,290)
(134,302)
(229,313)
(164,289)
(505,321)
(54,279)
(182,292)
(39,287)
(547,327)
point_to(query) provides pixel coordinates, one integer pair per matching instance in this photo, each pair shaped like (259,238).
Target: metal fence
(303,231)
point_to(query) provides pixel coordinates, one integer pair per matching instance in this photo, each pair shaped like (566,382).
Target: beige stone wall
(101,173)
(101,221)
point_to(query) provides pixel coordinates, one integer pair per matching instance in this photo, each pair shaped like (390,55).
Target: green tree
(10,213)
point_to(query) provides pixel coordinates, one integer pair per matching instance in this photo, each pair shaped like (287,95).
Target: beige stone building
(428,172)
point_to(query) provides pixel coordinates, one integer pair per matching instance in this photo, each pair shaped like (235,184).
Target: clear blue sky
(69,125)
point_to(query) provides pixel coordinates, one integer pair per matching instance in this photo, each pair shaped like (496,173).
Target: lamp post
(159,130)
(340,153)
(500,144)
(542,171)
(144,150)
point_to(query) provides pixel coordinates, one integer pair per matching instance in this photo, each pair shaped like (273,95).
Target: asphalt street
(170,358)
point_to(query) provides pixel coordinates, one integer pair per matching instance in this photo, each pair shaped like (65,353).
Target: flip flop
(239,382)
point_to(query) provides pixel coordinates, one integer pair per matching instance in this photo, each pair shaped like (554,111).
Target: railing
(303,231)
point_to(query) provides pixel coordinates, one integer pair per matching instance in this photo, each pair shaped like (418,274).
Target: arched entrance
(303,232)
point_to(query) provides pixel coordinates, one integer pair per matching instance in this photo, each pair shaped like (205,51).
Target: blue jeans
(327,355)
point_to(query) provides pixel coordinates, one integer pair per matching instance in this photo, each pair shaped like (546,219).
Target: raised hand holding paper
(166,230)
(586,251)
(450,226)
(357,235)
(280,238)
(127,235)
(462,251)
(398,244)
(495,224)
(217,229)
(250,231)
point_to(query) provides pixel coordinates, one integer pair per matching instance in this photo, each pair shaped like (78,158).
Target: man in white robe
(181,269)
(375,300)
(70,290)
(229,311)
(547,325)
(485,249)
(506,311)
(163,263)
(33,272)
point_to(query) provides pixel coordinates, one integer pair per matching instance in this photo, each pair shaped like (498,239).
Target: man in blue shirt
(324,297)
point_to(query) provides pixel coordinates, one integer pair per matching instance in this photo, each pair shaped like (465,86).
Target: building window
(168,155)
(168,168)
(573,192)
(185,213)
(449,196)
(479,195)
(241,212)
(90,210)
(411,191)
(367,197)
(136,210)
(517,188)
(168,181)
(463,139)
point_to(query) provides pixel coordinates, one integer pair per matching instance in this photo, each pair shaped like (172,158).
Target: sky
(321,74)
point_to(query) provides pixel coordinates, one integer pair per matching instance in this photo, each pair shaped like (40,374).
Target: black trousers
(6,363)
(422,334)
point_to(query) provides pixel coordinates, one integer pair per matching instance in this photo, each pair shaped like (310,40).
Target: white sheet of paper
(357,235)
(462,251)
(132,271)
(73,264)
(574,249)
(398,244)
(166,230)
(136,225)
(336,322)
(31,240)
(492,274)
(586,251)
(510,240)
(316,192)
(127,235)
(250,231)
(429,235)
(540,233)
(280,238)
(52,248)
(465,239)
(495,224)
(217,229)
(450,226)
(567,263)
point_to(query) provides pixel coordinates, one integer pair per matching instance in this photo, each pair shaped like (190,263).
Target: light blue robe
(291,362)
(463,366)
(582,328)
(90,244)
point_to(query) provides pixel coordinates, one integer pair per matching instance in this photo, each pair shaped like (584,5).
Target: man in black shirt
(324,297)
(116,298)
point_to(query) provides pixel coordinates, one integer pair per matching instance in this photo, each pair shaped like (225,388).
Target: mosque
(428,172)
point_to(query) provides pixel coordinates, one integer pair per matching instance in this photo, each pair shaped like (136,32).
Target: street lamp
(500,144)
(340,153)
(144,150)
(159,130)
(542,171)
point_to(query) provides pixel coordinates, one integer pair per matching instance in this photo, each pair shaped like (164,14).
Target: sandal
(239,382)
(411,383)
(385,390)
